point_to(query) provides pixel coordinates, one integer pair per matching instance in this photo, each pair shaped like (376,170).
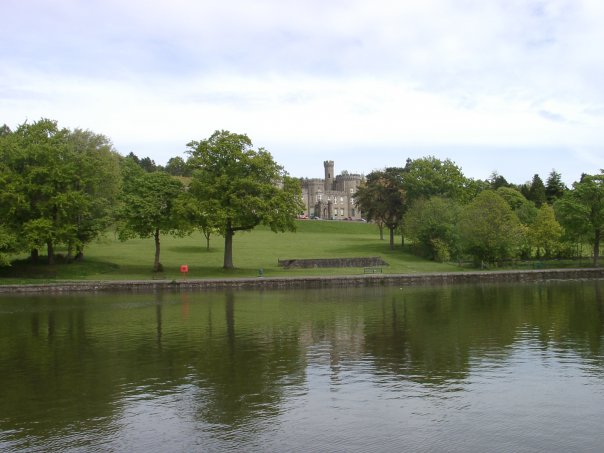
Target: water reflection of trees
(245,370)
(244,351)
(436,335)
(67,364)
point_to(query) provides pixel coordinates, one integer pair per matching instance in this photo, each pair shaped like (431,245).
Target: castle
(331,198)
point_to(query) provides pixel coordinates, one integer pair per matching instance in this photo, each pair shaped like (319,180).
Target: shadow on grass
(25,269)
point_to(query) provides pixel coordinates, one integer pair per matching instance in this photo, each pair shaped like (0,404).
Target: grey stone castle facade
(331,198)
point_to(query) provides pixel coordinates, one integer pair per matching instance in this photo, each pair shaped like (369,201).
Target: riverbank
(331,281)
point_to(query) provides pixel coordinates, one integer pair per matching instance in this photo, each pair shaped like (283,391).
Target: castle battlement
(350,177)
(332,197)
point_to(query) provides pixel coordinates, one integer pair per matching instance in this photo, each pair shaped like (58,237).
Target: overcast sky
(513,86)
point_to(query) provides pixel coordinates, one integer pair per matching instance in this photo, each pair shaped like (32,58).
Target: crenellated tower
(331,198)
(329,176)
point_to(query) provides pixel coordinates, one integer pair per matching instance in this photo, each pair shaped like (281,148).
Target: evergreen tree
(554,187)
(536,191)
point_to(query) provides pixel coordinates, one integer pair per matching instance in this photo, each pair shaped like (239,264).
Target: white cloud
(315,75)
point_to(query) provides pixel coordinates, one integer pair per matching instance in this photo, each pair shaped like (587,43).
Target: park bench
(372,270)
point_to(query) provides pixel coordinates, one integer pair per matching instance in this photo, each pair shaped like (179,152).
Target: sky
(506,86)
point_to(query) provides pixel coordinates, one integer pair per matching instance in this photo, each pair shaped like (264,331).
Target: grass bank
(110,259)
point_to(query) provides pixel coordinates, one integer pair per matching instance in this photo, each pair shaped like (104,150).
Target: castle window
(341,199)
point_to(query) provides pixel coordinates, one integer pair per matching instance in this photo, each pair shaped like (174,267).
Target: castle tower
(329,176)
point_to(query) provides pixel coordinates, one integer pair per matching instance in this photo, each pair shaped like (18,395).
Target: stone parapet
(331,262)
(336,281)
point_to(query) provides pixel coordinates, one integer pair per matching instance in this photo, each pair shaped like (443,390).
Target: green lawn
(110,259)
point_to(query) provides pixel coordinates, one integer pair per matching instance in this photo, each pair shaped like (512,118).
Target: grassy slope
(110,259)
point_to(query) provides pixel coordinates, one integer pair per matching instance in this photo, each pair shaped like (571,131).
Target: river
(455,368)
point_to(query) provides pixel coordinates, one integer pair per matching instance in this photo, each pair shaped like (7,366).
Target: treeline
(176,166)
(450,217)
(65,188)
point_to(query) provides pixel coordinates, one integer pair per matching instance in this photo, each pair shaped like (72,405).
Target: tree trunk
(391,238)
(34,256)
(381,227)
(51,252)
(228,247)
(79,253)
(157,267)
(207,234)
(597,248)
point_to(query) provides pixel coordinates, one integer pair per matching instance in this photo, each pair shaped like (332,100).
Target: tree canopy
(581,211)
(545,231)
(536,191)
(554,187)
(432,225)
(382,198)
(489,229)
(147,206)
(59,186)
(241,187)
(428,176)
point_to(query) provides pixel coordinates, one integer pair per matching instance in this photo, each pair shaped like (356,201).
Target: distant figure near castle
(331,198)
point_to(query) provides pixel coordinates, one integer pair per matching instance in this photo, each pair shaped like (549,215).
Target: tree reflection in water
(244,363)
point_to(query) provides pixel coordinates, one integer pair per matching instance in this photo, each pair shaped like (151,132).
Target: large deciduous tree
(59,185)
(545,231)
(241,187)
(147,206)
(382,198)
(428,177)
(176,166)
(94,190)
(581,211)
(489,229)
(432,225)
(197,214)
(524,209)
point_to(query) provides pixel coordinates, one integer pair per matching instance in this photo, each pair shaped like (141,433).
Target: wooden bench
(372,270)
(158,276)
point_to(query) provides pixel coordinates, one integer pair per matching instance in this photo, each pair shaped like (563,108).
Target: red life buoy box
(184,268)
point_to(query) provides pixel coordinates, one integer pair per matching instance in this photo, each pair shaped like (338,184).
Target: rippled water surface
(452,368)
